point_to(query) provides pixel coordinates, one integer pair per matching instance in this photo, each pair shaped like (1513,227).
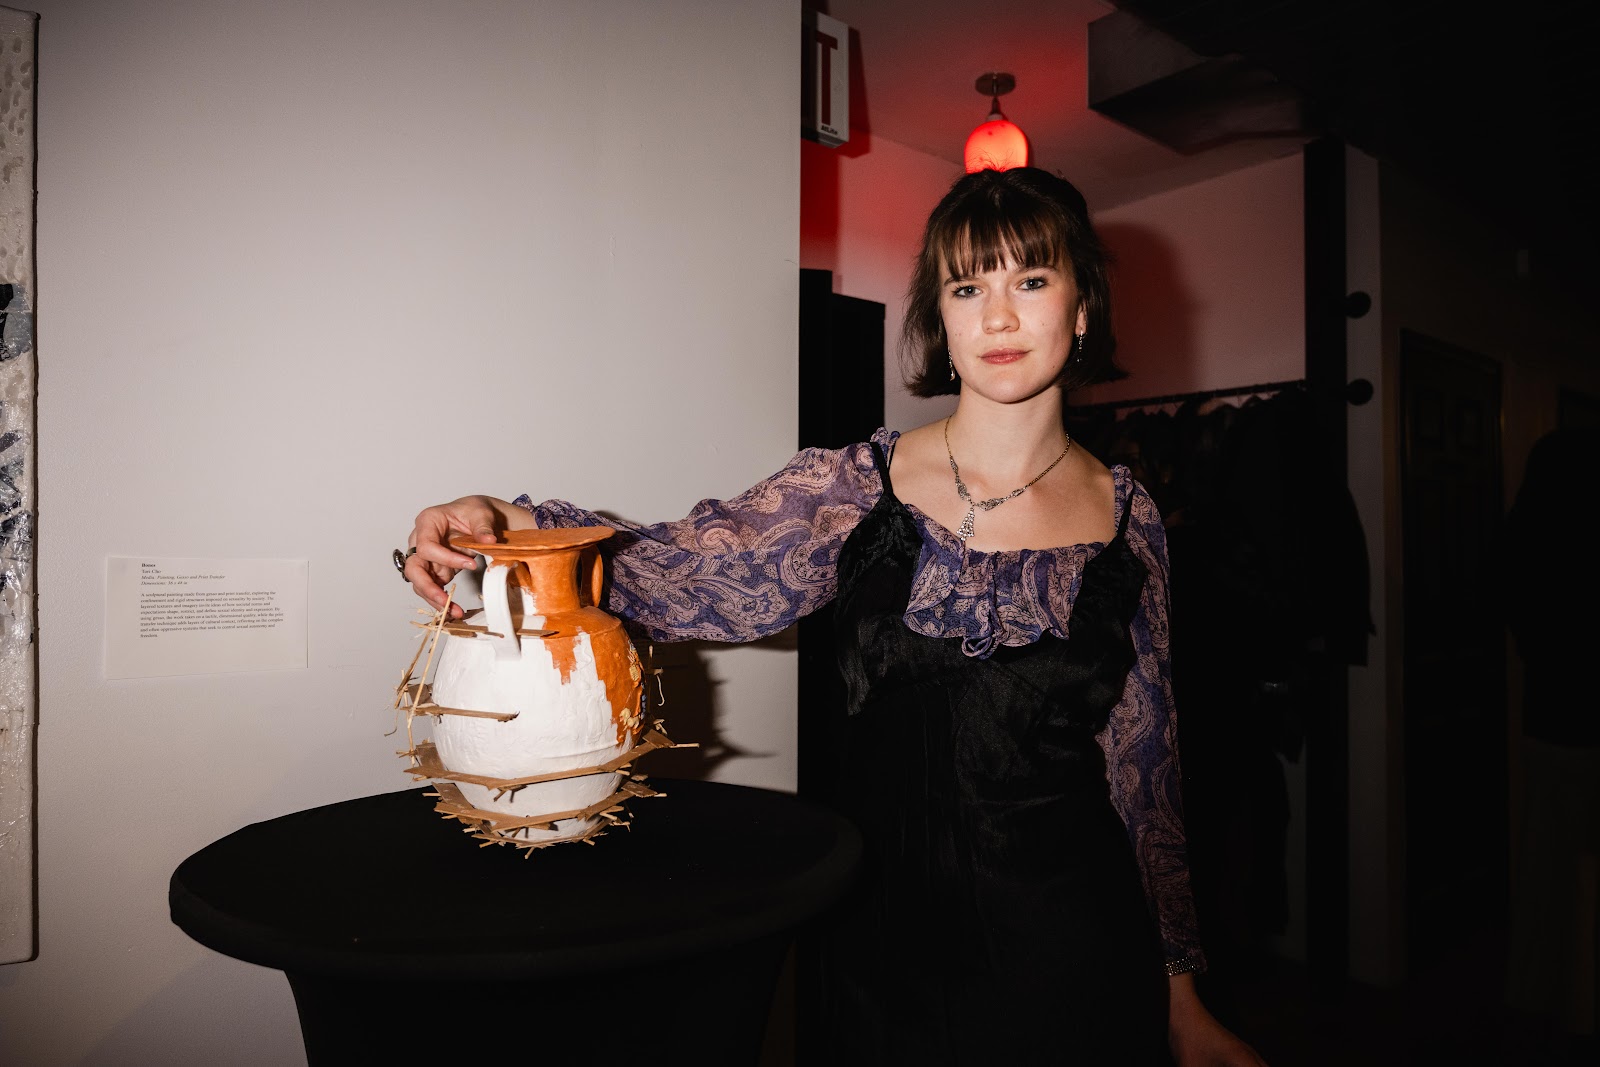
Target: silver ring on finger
(400,560)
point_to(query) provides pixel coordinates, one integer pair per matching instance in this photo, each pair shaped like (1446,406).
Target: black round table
(401,936)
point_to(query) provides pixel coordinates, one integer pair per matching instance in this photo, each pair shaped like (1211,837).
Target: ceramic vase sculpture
(548,688)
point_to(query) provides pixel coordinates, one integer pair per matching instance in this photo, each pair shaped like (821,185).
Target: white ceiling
(914,78)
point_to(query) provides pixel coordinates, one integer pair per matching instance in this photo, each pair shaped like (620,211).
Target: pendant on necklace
(967,524)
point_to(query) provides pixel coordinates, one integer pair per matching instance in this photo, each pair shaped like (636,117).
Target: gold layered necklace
(974,506)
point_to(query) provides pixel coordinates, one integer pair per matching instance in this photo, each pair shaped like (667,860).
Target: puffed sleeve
(1141,747)
(739,569)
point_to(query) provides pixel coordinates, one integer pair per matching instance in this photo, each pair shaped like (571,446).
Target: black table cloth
(400,935)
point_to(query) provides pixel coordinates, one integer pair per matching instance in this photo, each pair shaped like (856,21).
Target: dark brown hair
(1028,217)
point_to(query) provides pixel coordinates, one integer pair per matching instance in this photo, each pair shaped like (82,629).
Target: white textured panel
(17,678)
(1208,284)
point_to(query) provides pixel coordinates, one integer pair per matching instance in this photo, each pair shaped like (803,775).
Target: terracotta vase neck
(552,558)
(553,579)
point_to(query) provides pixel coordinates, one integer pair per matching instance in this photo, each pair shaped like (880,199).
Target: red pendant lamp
(999,143)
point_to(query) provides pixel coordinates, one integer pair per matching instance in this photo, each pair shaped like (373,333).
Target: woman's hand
(435,562)
(1195,1036)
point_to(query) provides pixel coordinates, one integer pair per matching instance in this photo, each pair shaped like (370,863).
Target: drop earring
(948,358)
(1080,344)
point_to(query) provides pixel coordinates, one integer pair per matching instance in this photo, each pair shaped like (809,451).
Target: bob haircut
(1028,217)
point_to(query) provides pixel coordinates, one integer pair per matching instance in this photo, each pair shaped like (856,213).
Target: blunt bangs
(993,233)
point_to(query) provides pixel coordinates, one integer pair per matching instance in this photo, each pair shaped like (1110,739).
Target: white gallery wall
(1208,283)
(302,270)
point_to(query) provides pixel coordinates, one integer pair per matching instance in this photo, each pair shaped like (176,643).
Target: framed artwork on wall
(18,664)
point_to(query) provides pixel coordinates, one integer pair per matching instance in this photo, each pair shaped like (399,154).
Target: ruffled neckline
(1006,597)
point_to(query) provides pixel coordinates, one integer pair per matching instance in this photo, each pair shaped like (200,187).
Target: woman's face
(1011,330)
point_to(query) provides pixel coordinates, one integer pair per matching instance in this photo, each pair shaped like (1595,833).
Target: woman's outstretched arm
(733,570)
(737,569)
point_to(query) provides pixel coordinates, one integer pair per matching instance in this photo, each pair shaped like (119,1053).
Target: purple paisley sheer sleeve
(739,569)
(1140,744)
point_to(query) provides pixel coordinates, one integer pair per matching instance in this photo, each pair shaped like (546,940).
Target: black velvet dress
(1000,910)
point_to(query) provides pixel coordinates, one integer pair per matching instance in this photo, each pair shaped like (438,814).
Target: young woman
(1001,598)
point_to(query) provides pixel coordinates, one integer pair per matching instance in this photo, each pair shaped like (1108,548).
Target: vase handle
(497,609)
(597,576)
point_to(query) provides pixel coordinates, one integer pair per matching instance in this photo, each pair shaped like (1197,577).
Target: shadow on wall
(860,142)
(194,1018)
(691,711)
(819,173)
(1153,310)
(684,697)
(819,207)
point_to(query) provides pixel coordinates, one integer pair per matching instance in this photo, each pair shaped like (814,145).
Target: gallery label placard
(168,615)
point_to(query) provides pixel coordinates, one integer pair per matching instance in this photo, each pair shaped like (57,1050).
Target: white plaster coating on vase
(559,725)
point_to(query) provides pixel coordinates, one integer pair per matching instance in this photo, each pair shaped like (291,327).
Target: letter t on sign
(825,79)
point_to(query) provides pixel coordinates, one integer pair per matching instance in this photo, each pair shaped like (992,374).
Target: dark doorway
(841,364)
(841,403)
(1455,711)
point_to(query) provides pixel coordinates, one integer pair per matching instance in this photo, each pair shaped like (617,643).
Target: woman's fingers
(428,581)
(434,563)
(438,565)
(431,532)
(481,530)
(441,555)
(424,582)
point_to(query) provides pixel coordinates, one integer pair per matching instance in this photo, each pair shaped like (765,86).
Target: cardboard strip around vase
(498,828)
(421,694)
(501,828)
(428,765)
(453,804)
(461,629)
